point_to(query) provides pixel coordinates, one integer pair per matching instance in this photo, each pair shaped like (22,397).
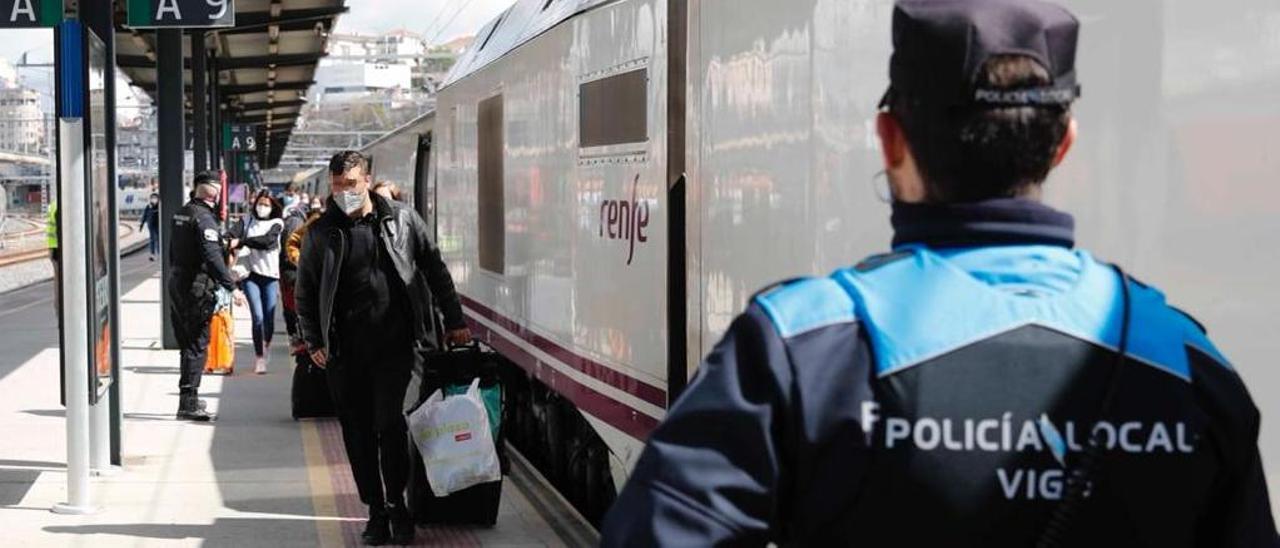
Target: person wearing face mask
(260,254)
(290,200)
(198,266)
(369,282)
(151,222)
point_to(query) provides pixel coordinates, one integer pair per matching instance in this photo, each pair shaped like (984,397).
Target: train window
(492,214)
(614,110)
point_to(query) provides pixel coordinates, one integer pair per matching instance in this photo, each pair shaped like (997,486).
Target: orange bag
(222,344)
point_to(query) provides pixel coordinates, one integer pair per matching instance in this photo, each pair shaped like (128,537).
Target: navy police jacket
(197,247)
(938,396)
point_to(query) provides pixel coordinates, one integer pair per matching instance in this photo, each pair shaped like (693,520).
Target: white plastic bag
(455,440)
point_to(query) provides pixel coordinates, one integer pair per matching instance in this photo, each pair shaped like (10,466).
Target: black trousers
(193,342)
(368,392)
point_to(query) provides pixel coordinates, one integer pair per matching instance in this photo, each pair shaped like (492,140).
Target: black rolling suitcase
(453,370)
(310,392)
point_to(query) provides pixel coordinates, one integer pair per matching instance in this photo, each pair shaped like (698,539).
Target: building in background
(367,86)
(22,121)
(26,138)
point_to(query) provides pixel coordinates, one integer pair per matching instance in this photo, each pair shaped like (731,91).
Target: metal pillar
(169,142)
(75,353)
(215,128)
(199,106)
(99,17)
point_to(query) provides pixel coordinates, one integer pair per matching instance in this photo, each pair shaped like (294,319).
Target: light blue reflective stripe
(1158,325)
(806,305)
(922,307)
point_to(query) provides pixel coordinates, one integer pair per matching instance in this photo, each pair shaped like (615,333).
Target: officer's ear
(905,181)
(1068,139)
(893,142)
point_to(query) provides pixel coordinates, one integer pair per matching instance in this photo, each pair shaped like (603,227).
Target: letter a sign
(30,13)
(144,14)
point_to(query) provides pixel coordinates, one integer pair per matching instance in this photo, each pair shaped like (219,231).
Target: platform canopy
(265,63)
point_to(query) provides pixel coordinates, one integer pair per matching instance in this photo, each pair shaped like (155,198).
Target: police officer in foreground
(983,384)
(199,270)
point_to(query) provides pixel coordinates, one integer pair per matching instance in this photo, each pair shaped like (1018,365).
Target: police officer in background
(985,383)
(199,270)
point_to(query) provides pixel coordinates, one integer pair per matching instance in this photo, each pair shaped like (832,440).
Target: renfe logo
(623,220)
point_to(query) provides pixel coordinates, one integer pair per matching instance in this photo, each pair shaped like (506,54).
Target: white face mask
(263,212)
(350,201)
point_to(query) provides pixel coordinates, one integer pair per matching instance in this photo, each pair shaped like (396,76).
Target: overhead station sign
(239,138)
(16,14)
(181,13)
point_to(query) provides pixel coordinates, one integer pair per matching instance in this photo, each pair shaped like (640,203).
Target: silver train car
(611,181)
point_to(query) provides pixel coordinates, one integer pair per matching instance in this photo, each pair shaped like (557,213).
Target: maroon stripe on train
(612,377)
(614,413)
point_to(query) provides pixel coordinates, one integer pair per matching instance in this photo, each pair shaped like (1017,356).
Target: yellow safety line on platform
(323,498)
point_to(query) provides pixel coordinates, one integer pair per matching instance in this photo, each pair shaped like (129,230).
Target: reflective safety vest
(51,226)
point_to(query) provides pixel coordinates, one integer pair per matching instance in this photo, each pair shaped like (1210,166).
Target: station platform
(255,477)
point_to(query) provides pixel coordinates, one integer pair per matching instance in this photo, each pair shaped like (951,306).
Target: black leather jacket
(405,238)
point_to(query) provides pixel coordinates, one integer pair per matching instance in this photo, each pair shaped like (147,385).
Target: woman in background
(260,253)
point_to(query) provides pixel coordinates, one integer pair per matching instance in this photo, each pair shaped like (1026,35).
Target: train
(610,181)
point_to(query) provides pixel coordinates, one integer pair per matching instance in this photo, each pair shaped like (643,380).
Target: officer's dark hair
(348,160)
(976,152)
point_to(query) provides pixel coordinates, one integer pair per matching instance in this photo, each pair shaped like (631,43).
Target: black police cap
(940,47)
(212,178)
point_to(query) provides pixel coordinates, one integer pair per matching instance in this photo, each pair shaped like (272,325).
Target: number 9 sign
(181,13)
(220,5)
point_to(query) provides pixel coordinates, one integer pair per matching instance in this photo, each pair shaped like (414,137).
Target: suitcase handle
(473,345)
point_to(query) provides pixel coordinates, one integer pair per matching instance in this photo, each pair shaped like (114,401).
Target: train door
(424,184)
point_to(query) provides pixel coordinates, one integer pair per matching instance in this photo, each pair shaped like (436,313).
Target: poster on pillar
(150,14)
(18,14)
(100,215)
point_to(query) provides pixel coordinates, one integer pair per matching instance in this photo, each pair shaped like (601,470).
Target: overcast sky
(438,19)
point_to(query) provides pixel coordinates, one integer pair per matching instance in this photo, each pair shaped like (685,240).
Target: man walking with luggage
(369,282)
(985,383)
(199,270)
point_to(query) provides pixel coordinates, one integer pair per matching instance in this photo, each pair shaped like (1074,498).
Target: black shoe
(198,415)
(402,528)
(377,530)
(189,409)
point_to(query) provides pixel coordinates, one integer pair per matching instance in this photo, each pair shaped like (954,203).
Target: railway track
(9,258)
